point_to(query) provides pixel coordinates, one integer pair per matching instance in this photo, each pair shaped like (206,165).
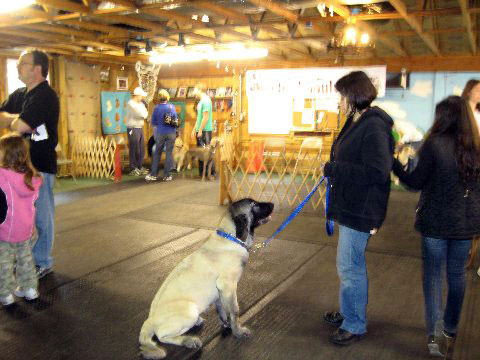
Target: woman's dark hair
(16,157)
(468,89)
(454,119)
(358,89)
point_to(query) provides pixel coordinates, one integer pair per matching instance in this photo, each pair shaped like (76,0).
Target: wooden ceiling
(417,34)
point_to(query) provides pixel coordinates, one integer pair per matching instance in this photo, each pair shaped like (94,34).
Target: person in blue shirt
(164,137)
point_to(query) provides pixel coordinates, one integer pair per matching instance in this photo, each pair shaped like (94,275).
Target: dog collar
(232,238)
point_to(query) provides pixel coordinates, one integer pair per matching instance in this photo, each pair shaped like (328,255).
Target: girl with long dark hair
(448,214)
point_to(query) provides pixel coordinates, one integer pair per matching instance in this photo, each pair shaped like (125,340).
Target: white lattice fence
(94,156)
(282,178)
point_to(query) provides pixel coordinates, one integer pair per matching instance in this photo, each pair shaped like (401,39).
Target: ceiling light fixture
(7,6)
(348,40)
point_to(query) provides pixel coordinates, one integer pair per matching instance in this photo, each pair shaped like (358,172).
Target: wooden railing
(94,156)
(282,176)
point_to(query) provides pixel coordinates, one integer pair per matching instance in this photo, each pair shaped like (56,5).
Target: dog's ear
(241,227)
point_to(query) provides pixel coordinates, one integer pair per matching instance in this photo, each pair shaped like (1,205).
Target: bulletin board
(114,105)
(283,100)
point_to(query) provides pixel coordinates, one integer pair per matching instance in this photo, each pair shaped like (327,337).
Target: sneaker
(150,178)
(167,178)
(42,271)
(433,347)
(29,294)
(7,300)
(333,318)
(135,172)
(143,171)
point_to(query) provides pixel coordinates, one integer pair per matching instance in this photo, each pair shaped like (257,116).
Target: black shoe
(345,338)
(333,318)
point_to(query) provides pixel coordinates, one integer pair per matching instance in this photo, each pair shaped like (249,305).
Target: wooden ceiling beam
(172,15)
(220,10)
(400,6)
(467,23)
(107,29)
(126,19)
(58,29)
(64,5)
(277,9)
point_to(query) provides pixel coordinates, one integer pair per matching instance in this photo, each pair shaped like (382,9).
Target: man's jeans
(44,221)
(352,271)
(161,141)
(437,255)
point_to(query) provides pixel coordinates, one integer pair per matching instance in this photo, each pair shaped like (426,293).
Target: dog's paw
(242,332)
(192,342)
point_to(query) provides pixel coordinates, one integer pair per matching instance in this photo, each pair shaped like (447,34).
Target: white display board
(271,93)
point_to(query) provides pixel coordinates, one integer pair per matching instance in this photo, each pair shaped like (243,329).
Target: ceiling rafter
(64,5)
(467,23)
(400,6)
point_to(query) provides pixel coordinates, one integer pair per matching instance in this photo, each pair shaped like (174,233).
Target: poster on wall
(282,100)
(181,109)
(114,105)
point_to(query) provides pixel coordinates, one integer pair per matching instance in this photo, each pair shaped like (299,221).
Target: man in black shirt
(34,110)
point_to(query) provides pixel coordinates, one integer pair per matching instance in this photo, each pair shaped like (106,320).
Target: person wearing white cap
(135,116)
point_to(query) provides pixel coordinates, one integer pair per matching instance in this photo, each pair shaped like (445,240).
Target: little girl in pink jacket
(19,185)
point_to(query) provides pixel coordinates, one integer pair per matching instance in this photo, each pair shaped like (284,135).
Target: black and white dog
(208,275)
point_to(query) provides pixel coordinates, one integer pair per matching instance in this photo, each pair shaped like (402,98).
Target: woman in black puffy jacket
(448,213)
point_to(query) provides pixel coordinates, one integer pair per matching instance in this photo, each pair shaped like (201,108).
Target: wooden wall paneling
(59,84)
(3,79)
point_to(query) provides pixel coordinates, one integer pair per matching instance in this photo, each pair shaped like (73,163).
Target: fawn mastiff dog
(208,275)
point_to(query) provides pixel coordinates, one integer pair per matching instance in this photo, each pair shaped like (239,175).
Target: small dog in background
(208,275)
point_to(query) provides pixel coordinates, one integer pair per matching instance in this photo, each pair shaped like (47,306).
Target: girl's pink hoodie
(18,224)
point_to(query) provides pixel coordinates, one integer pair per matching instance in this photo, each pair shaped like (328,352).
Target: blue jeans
(136,147)
(352,271)
(44,221)
(167,141)
(439,255)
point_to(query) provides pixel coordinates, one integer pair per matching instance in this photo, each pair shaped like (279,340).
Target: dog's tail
(148,348)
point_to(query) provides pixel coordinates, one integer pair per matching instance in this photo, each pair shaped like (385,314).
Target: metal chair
(308,144)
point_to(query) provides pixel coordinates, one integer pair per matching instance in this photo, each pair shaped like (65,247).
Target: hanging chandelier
(349,40)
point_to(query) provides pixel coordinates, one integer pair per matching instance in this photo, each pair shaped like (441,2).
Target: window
(13,83)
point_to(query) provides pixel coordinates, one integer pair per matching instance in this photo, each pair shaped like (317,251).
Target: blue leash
(329,225)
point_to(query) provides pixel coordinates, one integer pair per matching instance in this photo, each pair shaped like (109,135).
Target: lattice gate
(284,178)
(94,156)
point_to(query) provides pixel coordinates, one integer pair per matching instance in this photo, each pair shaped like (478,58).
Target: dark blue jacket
(359,170)
(157,119)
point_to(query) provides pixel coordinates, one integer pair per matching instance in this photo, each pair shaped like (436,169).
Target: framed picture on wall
(191,92)
(182,92)
(172,92)
(122,83)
